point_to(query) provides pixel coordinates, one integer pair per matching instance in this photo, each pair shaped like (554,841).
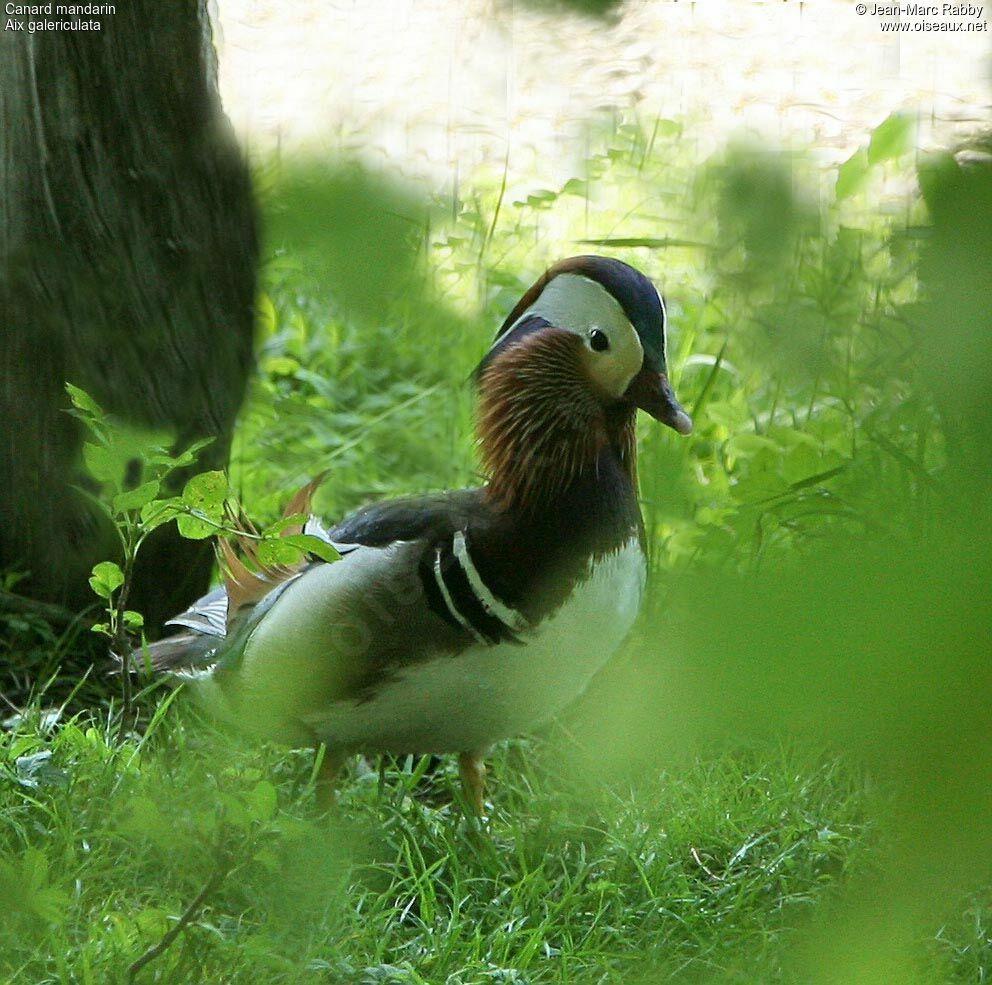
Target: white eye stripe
(578,304)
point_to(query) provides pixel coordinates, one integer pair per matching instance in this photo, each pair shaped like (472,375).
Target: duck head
(580,353)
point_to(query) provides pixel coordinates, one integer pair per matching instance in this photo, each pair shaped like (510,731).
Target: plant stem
(185,919)
(121,642)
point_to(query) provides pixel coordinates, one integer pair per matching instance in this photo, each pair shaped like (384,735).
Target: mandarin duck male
(455,620)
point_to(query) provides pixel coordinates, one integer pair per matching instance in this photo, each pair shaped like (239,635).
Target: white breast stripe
(449,602)
(500,610)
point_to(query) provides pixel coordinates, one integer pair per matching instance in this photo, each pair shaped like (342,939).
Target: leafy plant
(138,507)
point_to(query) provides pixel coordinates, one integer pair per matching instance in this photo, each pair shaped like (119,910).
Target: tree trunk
(128,259)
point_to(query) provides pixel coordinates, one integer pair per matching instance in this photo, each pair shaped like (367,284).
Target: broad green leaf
(893,137)
(851,174)
(152,922)
(749,445)
(81,400)
(313,545)
(758,485)
(269,859)
(160,511)
(133,620)
(50,904)
(263,800)
(195,527)
(800,462)
(279,550)
(265,315)
(144,819)
(296,519)
(234,811)
(280,366)
(207,492)
(101,462)
(190,455)
(106,579)
(34,869)
(789,437)
(135,499)
(728,414)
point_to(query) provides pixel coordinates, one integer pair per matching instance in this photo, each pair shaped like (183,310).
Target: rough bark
(127,267)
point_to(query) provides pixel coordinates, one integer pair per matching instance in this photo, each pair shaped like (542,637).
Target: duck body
(455,620)
(370,653)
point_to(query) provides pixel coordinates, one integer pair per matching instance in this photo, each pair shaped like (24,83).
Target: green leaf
(749,445)
(195,527)
(81,400)
(207,492)
(851,174)
(263,800)
(233,810)
(34,870)
(152,922)
(101,462)
(265,315)
(101,627)
(107,578)
(725,413)
(191,454)
(280,366)
(309,544)
(133,620)
(144,819)
(135,499)
(50,904)
(278,550)
(269,859)
(295,520)
(893,137)
(160,511)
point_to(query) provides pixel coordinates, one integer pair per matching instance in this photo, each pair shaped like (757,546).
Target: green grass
(783,778)
(680,869)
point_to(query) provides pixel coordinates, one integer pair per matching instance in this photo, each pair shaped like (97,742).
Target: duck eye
(598,341)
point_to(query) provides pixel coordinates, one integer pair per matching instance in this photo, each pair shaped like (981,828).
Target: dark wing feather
(429,518)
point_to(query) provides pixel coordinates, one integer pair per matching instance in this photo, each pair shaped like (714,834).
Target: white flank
(330,619)
(469,701)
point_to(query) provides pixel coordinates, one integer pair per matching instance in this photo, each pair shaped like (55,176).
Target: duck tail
(206,623)
(185,651)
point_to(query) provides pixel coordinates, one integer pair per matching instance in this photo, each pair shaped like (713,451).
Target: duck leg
(327,774)
(472,769)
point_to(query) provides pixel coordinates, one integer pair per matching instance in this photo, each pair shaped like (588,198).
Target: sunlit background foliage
(785,776)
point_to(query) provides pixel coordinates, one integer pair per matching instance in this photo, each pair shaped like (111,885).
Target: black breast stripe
(435,600)
(451,596)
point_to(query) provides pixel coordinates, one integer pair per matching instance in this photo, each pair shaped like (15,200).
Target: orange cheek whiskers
(540,424)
